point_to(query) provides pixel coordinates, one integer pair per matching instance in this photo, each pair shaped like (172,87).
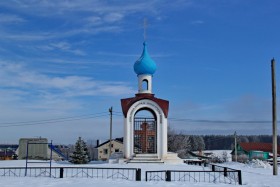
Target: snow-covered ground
(256,174)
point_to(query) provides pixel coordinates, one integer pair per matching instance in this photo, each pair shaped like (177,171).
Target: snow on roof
(114,140)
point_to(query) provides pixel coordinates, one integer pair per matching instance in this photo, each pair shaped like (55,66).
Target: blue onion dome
(145,65)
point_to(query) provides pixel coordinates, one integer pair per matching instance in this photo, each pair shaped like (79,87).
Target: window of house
(117,150)
(105,151)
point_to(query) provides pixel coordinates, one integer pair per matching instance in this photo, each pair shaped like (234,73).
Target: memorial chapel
(145,138)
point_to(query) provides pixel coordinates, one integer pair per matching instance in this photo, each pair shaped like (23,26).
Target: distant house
(101,152)
(7,154)
(9,146)
(7,151)
(254,150)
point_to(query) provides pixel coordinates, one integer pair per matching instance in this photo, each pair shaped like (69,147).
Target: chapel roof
(128,102)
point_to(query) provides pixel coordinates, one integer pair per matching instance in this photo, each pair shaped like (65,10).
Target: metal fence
(227,176)
(156,175)
(217,174)
(30,171)
(133,174)
(231,174)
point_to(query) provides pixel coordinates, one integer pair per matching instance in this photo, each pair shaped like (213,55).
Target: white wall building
(101,152)
(38,149)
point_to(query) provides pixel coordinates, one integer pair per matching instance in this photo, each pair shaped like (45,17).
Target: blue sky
(62,59)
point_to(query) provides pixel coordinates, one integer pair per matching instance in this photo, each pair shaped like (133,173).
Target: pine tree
(80,154)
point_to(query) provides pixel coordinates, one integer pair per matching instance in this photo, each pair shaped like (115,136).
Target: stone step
(145,161)
(145,156)
(148,158)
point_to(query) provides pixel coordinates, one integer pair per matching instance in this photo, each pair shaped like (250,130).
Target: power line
(118,112)
(212,121)
(117,115)
(54,119)
(101,114)
(219,121)
(50,122)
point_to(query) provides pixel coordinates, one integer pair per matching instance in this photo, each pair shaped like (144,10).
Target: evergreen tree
(81,153)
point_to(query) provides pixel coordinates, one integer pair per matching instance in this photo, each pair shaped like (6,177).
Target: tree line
(182,143)
(226,142)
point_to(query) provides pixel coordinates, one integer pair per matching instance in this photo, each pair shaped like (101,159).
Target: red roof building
(258,146)
(253,150)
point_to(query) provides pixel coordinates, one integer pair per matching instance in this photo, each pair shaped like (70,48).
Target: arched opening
(145,85)
(145,132)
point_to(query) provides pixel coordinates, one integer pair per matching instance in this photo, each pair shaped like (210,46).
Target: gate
(145,135)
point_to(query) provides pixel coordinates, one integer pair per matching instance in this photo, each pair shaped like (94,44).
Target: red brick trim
(128,102)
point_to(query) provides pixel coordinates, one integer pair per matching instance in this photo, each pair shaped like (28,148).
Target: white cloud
(9,18)
(62,46)
(18,77)
(97,9)
(32,36)
(33,94)
(44,36)
(75,17)
(93,20)
(78,52)
(26,94)
(44,8)
(113,17)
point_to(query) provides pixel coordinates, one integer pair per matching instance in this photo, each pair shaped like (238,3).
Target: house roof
(6,153)
(57,151)
(258,146)
(116,140)
(196,155)
(10,146)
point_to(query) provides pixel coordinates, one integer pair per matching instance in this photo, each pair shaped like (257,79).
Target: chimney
(97,143)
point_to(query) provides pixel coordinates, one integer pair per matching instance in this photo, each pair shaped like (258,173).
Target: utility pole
(235,146)
(110,144)
(274,118)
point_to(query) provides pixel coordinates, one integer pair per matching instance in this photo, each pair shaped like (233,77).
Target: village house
(7,151)
(254,150)
(101,152)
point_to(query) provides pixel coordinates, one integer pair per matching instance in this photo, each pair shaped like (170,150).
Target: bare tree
(197,143)
(178,143)
(225,156)
(242,139)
